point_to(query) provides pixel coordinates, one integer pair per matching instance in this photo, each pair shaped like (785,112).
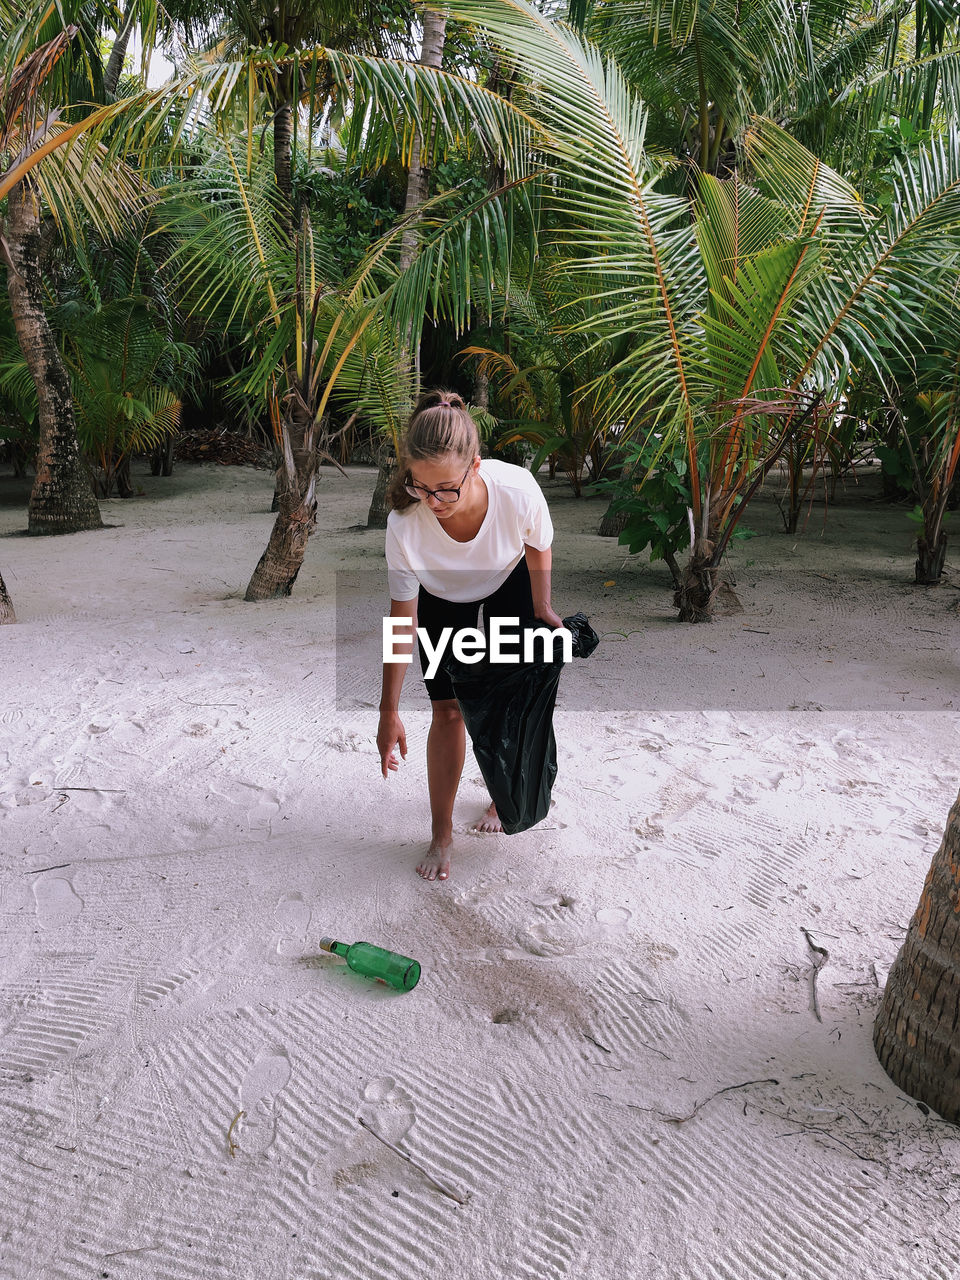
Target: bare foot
(436,862)
(490,820)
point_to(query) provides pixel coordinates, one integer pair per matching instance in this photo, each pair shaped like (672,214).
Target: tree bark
(386,462)
(418,180)
(281,562)
(481,392)
(917,1031)
(6,605)
(930,561)
(62,500)
(283,125)
(111,76)
(613,522)
(705,589)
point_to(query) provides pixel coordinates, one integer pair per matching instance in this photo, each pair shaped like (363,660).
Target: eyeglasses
(442,495)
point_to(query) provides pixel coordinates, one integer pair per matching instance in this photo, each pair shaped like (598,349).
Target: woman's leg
(446,740)
(446,748)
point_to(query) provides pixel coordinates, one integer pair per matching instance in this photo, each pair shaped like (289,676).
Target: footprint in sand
(388,1109)
(57,902)
(265,804)
(552,938)
(293,917)
(560,931)
(613,920)
(348,740)
(255,1132)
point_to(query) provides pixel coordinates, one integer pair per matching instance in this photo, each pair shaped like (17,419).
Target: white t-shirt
(419,552)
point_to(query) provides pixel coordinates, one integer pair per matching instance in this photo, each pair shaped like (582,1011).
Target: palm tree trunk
(6,605)
(613,522)
(931,557)
(62,500)
(294,493)
(418,179)
(296,499)
(917,1031)
(705,588)
(111,76)
(283,124)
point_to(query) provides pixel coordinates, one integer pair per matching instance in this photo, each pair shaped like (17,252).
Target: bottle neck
(337,948)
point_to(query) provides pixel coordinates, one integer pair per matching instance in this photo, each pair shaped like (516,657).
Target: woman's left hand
(548,615)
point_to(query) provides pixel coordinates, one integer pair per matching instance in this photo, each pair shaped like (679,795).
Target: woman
(464,532)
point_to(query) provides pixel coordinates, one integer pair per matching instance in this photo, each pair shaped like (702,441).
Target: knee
(446,713)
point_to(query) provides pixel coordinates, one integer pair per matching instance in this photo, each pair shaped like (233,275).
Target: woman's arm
(540,563)
(390,731)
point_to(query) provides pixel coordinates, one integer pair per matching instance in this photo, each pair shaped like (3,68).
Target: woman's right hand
(390,734)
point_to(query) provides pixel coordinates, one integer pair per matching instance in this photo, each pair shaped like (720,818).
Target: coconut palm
(431,55)
(917,1030)
(64,165)
(123,349)
(62,500)
(926,411)
(748,312)
(832,72)
(938,468)
(235,267)
(388,105)
(7,613)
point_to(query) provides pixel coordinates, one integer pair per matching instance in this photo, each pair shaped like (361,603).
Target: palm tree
(6,606)
(927,409)
(431,55)
(917,1030)
(66,163)
(62,500)
(747,314)
(831,71)
(281,85)
(389,104)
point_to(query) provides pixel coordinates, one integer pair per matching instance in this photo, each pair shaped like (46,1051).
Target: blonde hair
(439,425)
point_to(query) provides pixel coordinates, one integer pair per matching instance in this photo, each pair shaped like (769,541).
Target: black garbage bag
(508,711)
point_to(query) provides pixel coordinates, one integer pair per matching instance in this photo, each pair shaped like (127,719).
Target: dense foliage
(671,247)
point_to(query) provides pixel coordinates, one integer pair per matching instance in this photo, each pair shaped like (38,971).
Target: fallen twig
(822,955)
(112,791)
(600,792)
(36,871)
(208,704)
(33,1164)
(807,1128)
(700,1105)
(145,1248)
(596,1042)
(452,1195)
(232,1146)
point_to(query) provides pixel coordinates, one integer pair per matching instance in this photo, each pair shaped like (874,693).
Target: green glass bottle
(399,972)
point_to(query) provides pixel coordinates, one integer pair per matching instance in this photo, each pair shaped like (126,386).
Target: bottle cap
(327,944)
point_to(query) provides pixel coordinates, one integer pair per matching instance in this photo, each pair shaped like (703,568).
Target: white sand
(585,984)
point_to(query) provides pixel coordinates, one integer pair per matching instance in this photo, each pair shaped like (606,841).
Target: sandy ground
(613,1057)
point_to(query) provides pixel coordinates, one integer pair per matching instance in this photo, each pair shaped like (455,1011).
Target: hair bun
(438,398)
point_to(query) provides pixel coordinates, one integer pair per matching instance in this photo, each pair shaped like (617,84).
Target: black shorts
(513,599)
